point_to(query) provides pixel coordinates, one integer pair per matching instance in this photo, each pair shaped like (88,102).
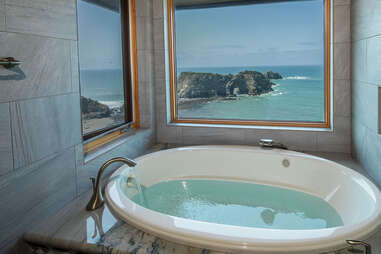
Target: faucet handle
(269,143)
(266,142)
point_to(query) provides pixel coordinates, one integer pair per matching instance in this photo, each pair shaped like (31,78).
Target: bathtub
(353,196)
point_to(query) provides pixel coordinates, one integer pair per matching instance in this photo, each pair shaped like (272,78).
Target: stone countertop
(77,230)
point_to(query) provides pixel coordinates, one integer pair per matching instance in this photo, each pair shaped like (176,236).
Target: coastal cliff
(191,85)
(94,109)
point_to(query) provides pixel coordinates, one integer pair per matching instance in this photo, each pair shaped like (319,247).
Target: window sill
(109,146)
(250,127)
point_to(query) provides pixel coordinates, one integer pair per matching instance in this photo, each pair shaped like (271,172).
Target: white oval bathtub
(354,197)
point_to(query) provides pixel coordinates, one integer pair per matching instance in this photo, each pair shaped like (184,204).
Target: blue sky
(99,34)
(251,35)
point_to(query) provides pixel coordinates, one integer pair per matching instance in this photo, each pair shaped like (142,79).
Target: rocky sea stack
(93,109)
(208,85)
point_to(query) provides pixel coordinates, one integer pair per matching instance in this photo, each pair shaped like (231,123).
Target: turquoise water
(240,204)
(299,96)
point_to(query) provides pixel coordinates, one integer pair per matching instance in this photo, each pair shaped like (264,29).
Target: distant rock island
(192,85)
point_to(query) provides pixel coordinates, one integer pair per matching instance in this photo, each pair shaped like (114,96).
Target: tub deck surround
(75,229)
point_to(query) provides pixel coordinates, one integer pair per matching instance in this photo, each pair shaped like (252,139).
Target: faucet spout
(269,143)
(96,200)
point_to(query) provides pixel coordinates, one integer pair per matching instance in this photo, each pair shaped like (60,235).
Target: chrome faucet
(367,247)
(96,200)
(269,143)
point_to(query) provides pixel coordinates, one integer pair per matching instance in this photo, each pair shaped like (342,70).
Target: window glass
(257,61)
(101,65)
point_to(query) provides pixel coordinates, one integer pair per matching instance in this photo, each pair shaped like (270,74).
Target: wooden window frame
(326,124)
(101,137)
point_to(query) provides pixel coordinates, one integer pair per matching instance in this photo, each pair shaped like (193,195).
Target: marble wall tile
(144,35)
(2,15)
(366,18)
(6,156)
(161,107)
(365,104)
(132,147)
(343,98)
(146,104)
(45,69)
(366,80)
(359,66)
(42,17)
(158,11)
(342,23)
(373,59)
(158,34)
(74,67)
(159,65)
(144,8)
(29,195)
(341,2)
(169,135)
(358,139)
(213,136)
(340,140)
(372,160)
(44,126)
(341,61)
(145,66)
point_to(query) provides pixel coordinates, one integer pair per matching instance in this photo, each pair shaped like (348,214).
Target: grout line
(367,82)
(37,35)
(366,38)
(11,132)
(39,97)
(354,118)
(17,172)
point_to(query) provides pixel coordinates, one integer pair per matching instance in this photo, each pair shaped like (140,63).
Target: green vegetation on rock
(209,85)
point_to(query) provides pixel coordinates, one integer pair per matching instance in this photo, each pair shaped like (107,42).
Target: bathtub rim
(328,240)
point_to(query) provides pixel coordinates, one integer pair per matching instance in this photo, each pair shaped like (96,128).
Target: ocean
(105,86)
(299,96)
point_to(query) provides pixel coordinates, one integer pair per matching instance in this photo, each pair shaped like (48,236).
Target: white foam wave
(297,77)
(112,104)
(277,93)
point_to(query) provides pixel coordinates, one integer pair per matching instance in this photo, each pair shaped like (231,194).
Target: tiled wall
(337,141)
(41,160)
(366,79)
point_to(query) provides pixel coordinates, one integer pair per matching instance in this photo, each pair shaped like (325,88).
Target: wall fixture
(9,62)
